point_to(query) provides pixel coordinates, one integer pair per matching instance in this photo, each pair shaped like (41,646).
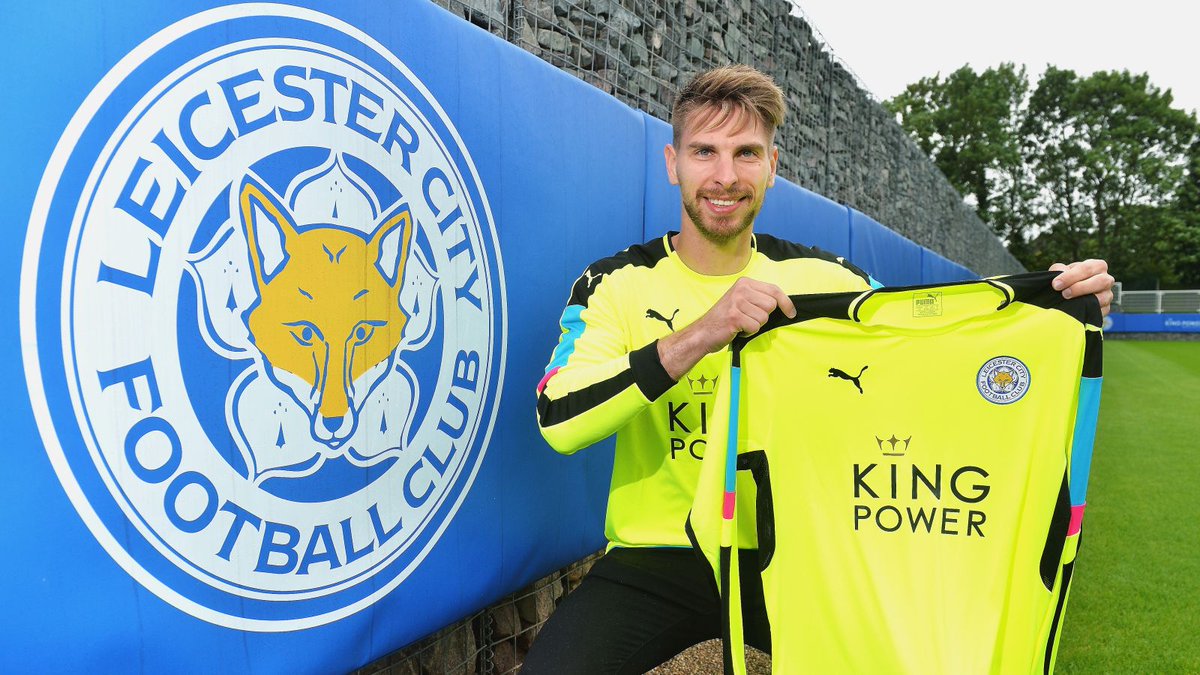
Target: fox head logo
(1003,380)
(327,319)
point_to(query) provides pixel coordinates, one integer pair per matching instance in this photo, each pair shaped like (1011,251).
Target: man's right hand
(743,309)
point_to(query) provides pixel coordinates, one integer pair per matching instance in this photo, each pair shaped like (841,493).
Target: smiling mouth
(724,205)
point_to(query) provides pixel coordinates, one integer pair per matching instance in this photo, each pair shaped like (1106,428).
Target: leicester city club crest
(1003,380)
(263,317)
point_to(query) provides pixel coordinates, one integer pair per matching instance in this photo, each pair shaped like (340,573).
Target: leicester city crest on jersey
(263,317)
(1003,380)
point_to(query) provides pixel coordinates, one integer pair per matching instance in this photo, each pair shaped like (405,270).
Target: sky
(891,44)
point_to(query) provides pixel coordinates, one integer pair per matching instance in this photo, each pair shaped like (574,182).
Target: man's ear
(669,157)
(774,165)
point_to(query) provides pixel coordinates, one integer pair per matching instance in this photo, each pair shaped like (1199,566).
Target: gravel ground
(705,658)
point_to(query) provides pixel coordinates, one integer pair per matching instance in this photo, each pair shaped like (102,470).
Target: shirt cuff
(648,371)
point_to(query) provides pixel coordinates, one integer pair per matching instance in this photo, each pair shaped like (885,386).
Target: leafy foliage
(1076,167)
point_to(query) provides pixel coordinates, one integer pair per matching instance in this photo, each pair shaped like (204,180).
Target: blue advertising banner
(1152,323)
(279,284)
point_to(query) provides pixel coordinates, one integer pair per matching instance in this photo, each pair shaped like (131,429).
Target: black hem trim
(756,463)
(1056,536)
(691,535)
(726,642)
(1067,570)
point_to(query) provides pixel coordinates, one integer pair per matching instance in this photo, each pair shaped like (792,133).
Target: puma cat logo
(651,314)
(591,278)
(834,372)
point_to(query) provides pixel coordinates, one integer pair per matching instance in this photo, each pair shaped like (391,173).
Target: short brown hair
(730,89)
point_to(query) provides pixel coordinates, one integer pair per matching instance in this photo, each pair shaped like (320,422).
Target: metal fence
(838,140)
(1156,302)
(643,51)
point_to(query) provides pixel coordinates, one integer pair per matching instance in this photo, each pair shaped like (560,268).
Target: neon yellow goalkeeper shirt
(921,456)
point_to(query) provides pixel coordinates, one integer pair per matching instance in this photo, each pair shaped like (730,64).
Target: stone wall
(837,141)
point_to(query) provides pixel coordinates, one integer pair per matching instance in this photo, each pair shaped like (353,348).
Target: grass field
(1135,603)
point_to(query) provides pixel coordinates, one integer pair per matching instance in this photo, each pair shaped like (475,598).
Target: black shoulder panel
(638,255)
(780,250)
(808,307)
(1034,288)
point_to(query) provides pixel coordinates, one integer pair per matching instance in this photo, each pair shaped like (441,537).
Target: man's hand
(1089,277)
(743,309)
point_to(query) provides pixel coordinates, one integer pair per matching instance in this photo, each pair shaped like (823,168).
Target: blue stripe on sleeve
(873,282)
(731,449)
(1084,438)
(573,326)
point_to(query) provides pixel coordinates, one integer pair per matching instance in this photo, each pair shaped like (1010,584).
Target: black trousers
(637,608)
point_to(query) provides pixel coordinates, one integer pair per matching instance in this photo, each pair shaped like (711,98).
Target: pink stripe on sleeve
(545,379)
(1076,519)
(728,506)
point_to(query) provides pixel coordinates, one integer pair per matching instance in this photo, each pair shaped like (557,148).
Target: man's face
(723,169)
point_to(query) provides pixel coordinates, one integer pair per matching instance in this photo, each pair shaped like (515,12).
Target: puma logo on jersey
(834,372)
(591,278)
(651,314)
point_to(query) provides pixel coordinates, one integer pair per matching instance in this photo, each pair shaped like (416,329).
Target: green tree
(968,123)
(1095,166)
(1108,152)
(1186,239)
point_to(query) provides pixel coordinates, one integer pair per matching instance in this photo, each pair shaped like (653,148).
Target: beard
(719,229)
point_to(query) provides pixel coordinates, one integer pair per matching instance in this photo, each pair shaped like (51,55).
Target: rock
(504,657)
(506,622)
(554,41)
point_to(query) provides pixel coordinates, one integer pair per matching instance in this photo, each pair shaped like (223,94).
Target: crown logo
(895,447)
(703,386)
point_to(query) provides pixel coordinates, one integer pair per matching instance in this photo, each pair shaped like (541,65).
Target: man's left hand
(1089,277)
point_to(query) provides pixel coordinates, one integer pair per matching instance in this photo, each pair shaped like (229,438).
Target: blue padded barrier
(936,270)
(661,209)
(887,256)
(796,214)
(215,465)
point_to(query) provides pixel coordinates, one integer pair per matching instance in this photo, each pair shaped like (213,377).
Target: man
(643,340)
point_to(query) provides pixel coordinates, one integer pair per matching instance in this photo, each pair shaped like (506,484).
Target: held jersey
(605,375)
(921,456)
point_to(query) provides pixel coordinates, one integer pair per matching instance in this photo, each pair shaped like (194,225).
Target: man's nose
(723,171)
